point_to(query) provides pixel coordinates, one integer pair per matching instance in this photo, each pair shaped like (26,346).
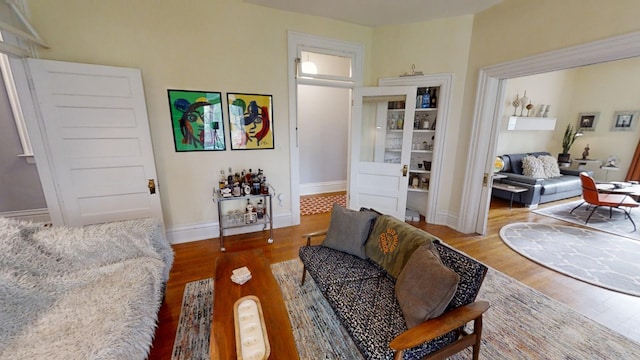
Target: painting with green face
(250,121)
(196,117)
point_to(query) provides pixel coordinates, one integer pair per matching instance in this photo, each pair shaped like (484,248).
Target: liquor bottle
(426,99)
(222,183)
(400,122)
(260,209)
(434,98)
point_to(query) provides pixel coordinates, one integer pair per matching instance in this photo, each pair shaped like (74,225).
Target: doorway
(489,106)
(322,74)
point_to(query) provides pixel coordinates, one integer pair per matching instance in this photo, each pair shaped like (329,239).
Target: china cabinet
(427,129)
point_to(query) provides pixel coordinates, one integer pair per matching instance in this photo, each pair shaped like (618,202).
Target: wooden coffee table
(266,288)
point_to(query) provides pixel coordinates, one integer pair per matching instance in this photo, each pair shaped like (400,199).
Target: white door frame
(295,42)
(474,207)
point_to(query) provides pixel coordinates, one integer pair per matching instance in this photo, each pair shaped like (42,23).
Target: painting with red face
(250,121)
(196,117)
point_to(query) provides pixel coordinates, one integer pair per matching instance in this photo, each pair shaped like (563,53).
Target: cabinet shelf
(418,190)
(531,123)
(423,130)
(426,109)
(422,151)
(420,171)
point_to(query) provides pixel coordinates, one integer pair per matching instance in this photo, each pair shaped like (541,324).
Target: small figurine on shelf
(585,153)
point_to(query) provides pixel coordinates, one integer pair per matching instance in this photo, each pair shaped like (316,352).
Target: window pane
(330,65)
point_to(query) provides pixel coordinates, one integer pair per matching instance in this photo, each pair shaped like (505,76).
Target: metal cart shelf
(225,223)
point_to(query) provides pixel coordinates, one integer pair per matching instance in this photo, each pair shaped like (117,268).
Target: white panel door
(96,133)
(380,148)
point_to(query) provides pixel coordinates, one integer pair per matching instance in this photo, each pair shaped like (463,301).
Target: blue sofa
(539,191)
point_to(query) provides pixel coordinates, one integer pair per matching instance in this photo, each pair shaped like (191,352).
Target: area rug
(522,323)
(598,258)
(194,325)
(600,220)
(320,204)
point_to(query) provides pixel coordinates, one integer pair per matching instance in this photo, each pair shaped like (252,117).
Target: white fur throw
(81,293)
(550,166)
(532,167)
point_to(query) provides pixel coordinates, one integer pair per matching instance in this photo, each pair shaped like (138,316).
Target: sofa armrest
(314,234)
(522,179)
(439,326)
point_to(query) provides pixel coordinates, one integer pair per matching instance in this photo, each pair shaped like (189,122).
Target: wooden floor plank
(195,261)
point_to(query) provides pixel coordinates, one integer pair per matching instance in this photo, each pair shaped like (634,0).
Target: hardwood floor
(195,260)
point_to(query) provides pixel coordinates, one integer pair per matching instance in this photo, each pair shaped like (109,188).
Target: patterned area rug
(320,204)
(522,323)
(194,326)
(600,220)
(601,259)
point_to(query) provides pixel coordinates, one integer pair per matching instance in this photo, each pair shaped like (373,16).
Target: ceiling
(380,12)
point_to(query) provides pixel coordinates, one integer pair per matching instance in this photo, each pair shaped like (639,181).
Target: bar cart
(239,219)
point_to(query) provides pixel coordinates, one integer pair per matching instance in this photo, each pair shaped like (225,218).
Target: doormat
(320,204)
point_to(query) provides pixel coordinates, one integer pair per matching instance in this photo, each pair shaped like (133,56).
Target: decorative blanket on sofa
(81,293)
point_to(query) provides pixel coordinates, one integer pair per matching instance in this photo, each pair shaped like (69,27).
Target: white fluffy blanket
(81,293)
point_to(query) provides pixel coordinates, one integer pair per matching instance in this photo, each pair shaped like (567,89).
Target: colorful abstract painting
(196,118)
(250,121)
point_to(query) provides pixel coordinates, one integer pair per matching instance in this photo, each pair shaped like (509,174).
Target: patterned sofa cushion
(328,266)
(370,313)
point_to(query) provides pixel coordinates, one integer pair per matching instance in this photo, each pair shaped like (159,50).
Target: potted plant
(568,140)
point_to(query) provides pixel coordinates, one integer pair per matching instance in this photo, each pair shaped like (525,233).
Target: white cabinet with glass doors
(395,155)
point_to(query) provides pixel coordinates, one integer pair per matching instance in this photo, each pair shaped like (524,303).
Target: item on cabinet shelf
(226,192)
(415,182)
(222,183)
(236,189)
(250,218)
(420,166)
(426,124)
(546,111)
(434,99)
(393,122)
(400,122)
(249,207)
(416,122)
(529,107)
(427,165)
(541,110)
(426,99)
(425,183)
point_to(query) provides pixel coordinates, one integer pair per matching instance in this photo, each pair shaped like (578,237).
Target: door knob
(405,169)
(152,186)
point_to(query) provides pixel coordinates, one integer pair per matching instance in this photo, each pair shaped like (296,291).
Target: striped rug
(320,204)
(522,323)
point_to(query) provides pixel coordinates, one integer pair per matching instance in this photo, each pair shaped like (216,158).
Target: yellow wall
(435,47)
(227,45)
(216,45)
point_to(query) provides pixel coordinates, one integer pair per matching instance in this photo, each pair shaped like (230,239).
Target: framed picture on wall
(624,120)
(587,121)
(196,120)
(250,121)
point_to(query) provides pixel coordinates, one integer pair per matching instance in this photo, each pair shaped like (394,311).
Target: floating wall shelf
(531,123)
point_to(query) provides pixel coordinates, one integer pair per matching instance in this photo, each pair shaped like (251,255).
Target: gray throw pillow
(425,286)
(348,230)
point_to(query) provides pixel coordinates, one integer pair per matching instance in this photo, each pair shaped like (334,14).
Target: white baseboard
(195,232)
(35,215)
(324,187)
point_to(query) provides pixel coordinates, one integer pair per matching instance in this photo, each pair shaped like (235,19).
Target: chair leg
(571,212)
(589,217)
(628,213)
(477,328)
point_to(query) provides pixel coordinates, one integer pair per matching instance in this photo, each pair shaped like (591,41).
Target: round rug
(601,259)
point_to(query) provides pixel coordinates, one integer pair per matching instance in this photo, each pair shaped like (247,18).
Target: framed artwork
(196,119)
(250,121)
(624,120)
(587,121)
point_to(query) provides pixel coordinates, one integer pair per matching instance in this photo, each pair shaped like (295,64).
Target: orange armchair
(594,198)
